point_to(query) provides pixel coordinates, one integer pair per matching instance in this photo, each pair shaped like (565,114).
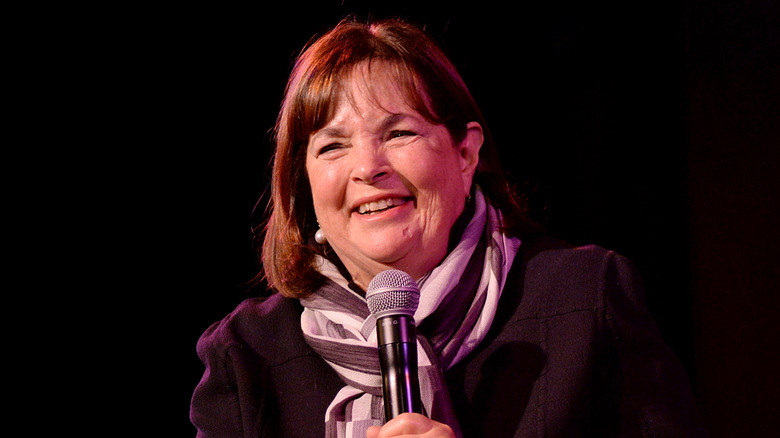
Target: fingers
(373,432)
(411,425)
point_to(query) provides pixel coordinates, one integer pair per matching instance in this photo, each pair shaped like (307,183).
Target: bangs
(318,101)
(418,70)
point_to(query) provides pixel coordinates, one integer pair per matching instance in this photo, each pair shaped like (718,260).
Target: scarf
(458,301)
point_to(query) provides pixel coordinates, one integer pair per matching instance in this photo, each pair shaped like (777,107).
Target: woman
(384,161)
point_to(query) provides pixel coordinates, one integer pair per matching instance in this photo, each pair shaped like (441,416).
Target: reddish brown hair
(431,85)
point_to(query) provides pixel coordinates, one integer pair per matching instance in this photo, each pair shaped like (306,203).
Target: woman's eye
(327,148)
(399,134)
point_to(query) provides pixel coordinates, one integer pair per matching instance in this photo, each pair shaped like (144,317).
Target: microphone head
(392,292)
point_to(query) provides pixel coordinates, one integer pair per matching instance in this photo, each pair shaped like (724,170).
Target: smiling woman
(375,149)
(383,160)
(413,92)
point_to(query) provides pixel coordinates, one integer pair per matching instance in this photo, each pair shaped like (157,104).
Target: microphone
(392,298)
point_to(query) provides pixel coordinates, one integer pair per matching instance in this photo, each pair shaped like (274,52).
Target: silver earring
(319,236)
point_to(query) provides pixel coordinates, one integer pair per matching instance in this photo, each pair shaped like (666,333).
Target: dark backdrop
(647,128)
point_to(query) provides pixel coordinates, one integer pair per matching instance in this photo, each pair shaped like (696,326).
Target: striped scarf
(458,301)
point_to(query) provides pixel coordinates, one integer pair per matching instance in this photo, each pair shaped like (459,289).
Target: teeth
(371,207)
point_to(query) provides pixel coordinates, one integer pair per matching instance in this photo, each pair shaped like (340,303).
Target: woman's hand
(411,425)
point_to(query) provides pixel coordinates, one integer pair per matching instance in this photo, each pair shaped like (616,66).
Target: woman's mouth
(380,206)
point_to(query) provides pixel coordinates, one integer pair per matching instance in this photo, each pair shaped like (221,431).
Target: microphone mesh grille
(392,291)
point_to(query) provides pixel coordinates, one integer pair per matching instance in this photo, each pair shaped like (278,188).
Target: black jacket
(572,352)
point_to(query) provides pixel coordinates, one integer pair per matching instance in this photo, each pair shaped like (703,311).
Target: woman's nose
(370,164)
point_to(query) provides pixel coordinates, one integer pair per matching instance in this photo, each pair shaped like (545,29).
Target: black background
(649,128)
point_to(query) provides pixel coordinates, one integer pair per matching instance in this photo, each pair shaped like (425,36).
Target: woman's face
(387,185)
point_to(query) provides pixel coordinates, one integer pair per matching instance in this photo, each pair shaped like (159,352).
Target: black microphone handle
(398,361)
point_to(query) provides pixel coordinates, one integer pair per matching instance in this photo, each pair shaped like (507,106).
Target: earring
(319,236)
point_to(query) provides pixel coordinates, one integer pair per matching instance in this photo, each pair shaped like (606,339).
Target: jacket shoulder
(559,277)
(267,326)
(551,253)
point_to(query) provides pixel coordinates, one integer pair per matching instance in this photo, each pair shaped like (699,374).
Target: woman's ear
(469,153)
